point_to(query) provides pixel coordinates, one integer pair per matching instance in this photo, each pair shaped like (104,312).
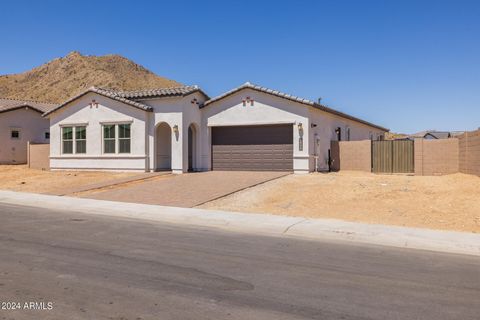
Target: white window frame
(63,140)
(117,138)
(74,138)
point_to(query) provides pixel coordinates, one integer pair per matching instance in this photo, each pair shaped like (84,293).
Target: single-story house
(182,129)
(434,135)
(21,122)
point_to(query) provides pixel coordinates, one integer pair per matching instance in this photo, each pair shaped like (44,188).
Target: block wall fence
(431,157)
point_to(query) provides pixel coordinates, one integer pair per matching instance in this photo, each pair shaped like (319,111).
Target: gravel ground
(449,202)
(21,178)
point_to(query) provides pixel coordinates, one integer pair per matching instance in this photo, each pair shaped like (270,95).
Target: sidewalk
(262,224)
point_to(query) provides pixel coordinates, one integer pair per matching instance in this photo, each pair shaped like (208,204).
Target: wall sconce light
(300,126)
(175,129)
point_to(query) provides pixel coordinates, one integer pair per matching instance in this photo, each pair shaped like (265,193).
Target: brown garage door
(259,148)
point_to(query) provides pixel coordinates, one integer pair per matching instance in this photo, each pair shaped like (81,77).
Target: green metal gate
(393,156)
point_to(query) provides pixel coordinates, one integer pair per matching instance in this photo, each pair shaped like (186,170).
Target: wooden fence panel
(403,157)
(393,156)
(382,156)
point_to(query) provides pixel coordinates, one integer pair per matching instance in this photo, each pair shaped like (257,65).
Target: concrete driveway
(186,190)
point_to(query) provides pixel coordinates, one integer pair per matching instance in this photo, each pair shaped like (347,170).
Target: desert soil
(449,202)
(21,178)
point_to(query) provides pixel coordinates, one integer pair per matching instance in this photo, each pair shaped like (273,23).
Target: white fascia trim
(76,124)
(250,123)
(113,157)
(129,121)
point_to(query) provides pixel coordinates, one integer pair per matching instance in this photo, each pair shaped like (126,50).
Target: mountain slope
(64,77)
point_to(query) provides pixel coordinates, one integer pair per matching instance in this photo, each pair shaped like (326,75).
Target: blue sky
(407,65)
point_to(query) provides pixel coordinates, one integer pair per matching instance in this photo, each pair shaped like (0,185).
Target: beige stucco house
(182,129)
(21,122)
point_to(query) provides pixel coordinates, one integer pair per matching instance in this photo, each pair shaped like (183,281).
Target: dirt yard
(21,178)
(448,202)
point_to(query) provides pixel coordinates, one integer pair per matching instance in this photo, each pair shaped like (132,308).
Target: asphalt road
(97,267)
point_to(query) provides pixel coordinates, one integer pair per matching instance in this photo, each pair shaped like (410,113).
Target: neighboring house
(21,122)
(433,134)
(182,129)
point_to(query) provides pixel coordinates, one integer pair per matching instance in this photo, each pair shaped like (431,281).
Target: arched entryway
(192,147)
(163,147)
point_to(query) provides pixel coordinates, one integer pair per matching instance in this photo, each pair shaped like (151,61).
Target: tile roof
(287,96)
(132,97)
(434,134)
(106,93)
(12,104)
(160,92)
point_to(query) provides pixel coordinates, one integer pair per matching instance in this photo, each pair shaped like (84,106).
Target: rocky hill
(64,77)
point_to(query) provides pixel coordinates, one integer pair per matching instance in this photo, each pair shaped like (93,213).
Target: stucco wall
(267,109)
(469,153)
(32,128)
(311,142)
(324,132)
(351,155)
(179,111)
(318,126)
(39,156)
(436,157)
(80,112)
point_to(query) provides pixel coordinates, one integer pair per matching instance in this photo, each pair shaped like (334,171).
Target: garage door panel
(253,148)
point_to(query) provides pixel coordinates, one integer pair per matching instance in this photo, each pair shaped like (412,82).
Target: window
(124,138)
(15,134)
(47,135)
(74,140)
(338,132)
(80,139)
(67,140)
(109,138)
(117,138)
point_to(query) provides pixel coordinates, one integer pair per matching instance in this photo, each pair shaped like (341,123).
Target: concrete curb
(262,224)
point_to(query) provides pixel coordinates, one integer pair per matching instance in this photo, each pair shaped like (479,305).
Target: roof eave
(95,90)
(294,99)
(21,107)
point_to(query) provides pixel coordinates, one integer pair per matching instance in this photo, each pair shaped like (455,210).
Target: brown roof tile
(12,104)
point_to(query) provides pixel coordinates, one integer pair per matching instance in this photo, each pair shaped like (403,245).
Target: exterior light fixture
(300,126)
(175,129)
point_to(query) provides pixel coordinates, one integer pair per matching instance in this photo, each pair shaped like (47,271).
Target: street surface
(80,266)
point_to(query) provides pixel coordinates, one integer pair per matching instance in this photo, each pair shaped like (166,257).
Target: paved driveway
(186,190)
